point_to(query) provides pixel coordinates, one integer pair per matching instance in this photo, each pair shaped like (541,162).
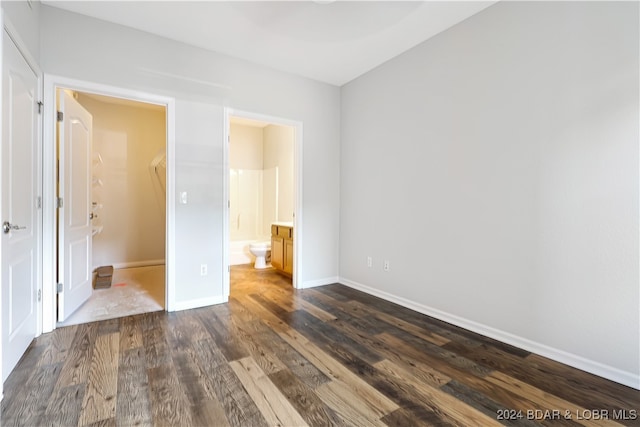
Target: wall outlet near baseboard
(385,265)
(203,269)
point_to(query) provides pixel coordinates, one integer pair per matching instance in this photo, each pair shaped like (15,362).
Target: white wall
(128,138)
(24,19)
(203,83)
(278,152)
(245,147)
(496,167)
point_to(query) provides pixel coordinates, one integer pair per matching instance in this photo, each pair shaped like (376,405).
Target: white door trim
(297,197)
(51,82)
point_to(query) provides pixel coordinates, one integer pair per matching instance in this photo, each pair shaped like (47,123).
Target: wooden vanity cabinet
(282,248)
(288,256)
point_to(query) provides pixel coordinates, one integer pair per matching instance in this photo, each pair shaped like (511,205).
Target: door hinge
(40,105)
(60,116)
(59,288)
(229,204)
(38,202)
(39,295)
(59,202)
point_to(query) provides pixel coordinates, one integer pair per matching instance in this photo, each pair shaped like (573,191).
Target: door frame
(297,196)
(50,249)
(8,29)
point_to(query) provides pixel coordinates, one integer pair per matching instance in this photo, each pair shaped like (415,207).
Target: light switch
(183,197)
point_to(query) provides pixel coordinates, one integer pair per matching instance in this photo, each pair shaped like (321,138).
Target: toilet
(261,250)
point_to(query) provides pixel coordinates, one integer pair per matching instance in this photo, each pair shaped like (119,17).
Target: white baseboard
(320,282)
(197,303)
(146,263)
(609,372)
(132,264)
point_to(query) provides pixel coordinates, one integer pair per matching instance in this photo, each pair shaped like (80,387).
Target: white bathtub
(239,251)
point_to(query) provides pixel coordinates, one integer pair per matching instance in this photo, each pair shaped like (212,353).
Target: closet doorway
(111,218)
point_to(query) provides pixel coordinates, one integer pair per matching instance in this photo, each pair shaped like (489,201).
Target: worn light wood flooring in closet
(319,357)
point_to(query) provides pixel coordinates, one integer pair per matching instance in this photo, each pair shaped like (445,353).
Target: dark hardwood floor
(319,357)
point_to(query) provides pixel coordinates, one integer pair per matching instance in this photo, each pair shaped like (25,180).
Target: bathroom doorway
(125,163)
(263,188)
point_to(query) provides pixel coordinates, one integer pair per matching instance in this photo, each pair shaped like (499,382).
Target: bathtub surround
(249,208)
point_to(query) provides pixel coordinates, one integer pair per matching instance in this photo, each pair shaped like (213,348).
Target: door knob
(7,227)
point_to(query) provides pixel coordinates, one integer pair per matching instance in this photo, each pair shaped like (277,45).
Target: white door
(74,222)
(20,206)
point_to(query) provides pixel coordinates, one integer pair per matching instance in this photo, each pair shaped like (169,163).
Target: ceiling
(329,41)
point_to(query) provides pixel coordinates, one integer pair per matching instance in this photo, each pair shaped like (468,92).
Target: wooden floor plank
(273,405)
(266,359)
(402,417)
(30,405)
(483,403)
(76,367)
(65,406)
(99,401)
(154,338)
(419,370)
(303,398)
(335,370)
(456,411)
(544,399)
(217,323)
(222,384)
(327,336)
(441,360)
(592,391)
(209,412)
(314,310)
(169,405)
(134,404)
(266,338)
(22,374)
(130,333)
(275,355)
(350,407)
(59,347)
(413,329)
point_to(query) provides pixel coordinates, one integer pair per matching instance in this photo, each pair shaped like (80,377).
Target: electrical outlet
(369,262)
(385,265)
(203,269)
